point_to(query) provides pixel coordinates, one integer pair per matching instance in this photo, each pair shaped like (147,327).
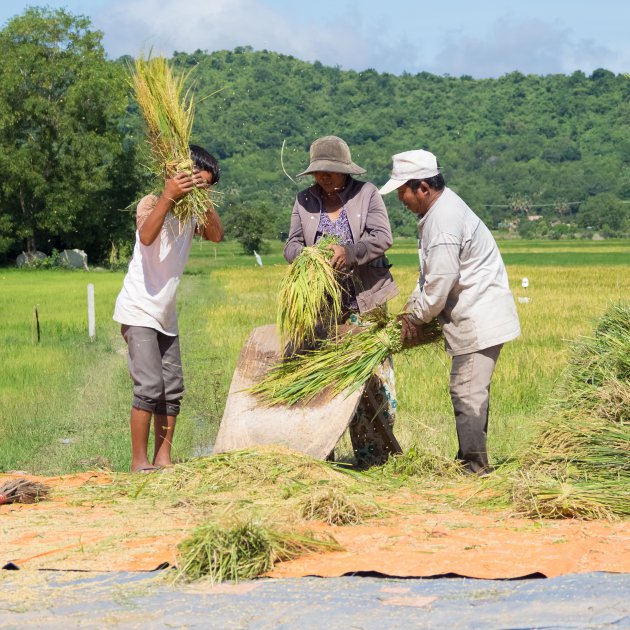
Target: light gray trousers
(470,393)
(155,366)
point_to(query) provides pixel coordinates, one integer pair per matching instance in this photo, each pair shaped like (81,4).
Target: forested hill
(557,146)
(542,156)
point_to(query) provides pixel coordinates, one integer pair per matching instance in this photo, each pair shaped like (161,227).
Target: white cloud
(529,45)
(342,35)
(167,25)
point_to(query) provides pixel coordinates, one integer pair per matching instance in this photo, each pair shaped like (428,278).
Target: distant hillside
(554,146)
(541,156)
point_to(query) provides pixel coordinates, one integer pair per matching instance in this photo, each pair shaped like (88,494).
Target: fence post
(91,315)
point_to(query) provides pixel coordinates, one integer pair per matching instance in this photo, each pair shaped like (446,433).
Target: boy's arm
(174,189)
(213,229)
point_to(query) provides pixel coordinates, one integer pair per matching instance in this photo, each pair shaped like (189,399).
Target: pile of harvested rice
(579,464)
(243,551)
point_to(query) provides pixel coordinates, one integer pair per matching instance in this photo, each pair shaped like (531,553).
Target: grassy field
(65,400)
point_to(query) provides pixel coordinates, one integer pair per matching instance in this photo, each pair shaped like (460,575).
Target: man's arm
(441,271)
(174,189)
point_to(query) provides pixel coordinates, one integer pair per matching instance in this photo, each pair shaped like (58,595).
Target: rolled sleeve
(144,209)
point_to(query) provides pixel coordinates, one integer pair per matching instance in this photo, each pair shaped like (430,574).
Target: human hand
(338,260)
(202,179)
(409,332)
(178,186)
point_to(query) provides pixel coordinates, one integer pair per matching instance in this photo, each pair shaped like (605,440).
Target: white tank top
(149,290)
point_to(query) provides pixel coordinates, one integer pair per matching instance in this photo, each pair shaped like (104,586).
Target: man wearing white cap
(463,282)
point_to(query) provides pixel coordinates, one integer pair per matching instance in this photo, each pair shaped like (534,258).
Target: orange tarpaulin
(64,533)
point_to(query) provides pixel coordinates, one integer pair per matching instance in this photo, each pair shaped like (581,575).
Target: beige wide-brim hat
(331,154)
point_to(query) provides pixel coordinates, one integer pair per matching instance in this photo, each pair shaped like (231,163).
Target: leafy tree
(249,224)
(606,213)
(61,137)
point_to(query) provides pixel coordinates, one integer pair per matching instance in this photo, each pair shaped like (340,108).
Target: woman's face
(330,182)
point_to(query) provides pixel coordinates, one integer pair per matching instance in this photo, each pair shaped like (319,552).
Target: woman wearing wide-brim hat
(354,211)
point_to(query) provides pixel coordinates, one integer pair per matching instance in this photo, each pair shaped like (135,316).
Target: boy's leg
(163,430)
(145,370)
(167,409)
(140,424)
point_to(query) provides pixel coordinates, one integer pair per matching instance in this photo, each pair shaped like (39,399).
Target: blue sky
(485,38)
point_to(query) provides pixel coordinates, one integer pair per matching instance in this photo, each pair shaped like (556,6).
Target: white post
(91,315)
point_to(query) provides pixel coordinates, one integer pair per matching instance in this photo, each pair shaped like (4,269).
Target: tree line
(544,156)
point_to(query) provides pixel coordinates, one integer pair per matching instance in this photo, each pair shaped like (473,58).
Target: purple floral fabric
(341,229)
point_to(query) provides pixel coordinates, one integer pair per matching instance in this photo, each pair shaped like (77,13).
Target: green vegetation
(339,363)
(66,151)
(309,296)
(541,156)
(70,388)
(167,107)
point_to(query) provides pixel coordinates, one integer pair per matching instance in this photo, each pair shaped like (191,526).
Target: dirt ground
(70,532)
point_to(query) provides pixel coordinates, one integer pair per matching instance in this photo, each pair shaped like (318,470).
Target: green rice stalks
(418,462)
(309,298)
(168,108)
(579,463)
(244,551)
(340,365)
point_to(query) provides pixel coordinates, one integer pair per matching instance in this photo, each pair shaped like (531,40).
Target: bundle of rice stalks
(553,492)
(167,108)
(309,298)
(579,465)
(334,507)
(244,551)
(343,364)
(23,491)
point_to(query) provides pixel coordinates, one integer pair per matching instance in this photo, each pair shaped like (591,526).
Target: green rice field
(65,399)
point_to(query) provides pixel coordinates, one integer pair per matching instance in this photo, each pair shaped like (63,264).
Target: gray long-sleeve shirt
(463,281)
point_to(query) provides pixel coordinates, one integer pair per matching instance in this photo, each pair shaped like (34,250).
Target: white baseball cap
(417,164)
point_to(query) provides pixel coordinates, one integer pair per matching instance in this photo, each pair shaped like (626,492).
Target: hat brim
(329,166)
(391,185)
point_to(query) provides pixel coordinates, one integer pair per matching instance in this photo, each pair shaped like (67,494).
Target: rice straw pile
(579,465)
(340,365)
(243,551)
(23,490)
(309,298)
(168,107)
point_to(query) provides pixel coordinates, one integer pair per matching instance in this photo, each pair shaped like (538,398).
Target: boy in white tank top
(146,308)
